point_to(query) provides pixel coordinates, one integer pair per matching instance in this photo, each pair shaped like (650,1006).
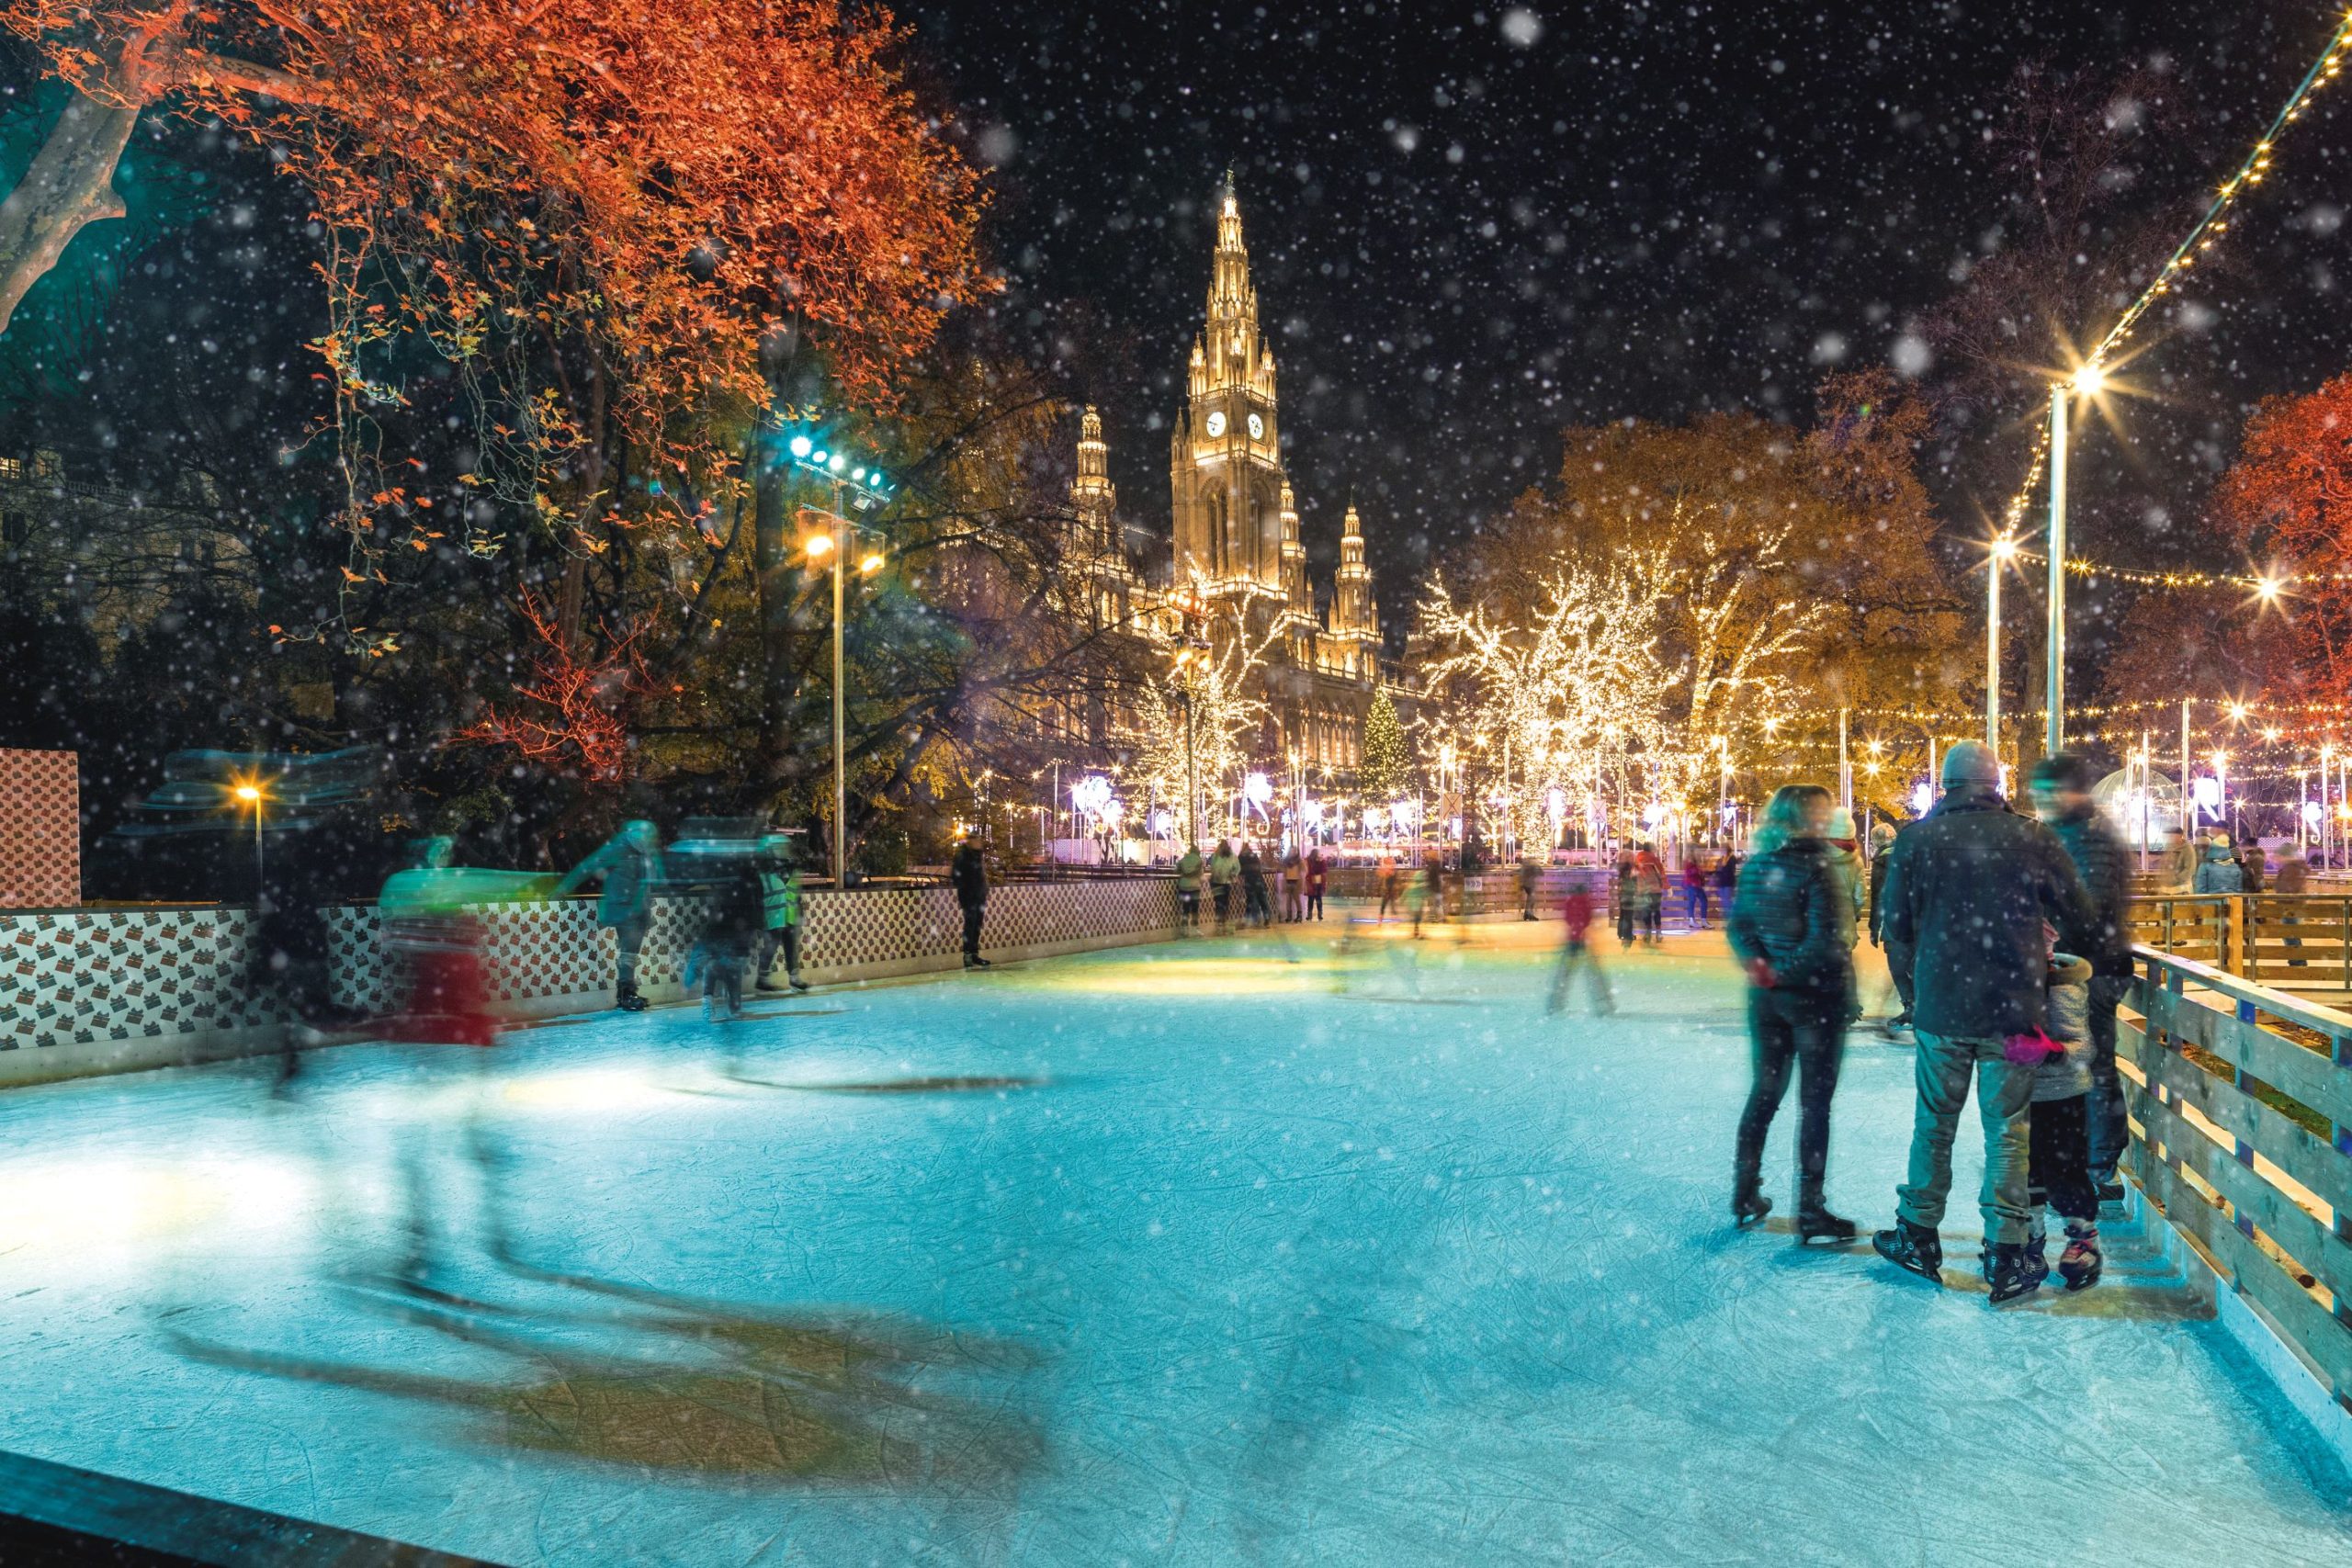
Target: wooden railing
(2294,942)
(2241,1103)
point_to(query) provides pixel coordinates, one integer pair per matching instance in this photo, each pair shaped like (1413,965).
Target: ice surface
(1169,1255)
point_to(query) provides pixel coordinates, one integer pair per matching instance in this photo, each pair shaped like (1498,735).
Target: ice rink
(1218,1253)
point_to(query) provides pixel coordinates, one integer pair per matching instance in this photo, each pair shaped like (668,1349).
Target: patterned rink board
(40,830)
(97,978)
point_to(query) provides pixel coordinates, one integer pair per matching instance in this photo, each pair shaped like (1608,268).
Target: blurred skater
(1576,956)
(1318,873)
(1255,909)
(738,923)
(630,864)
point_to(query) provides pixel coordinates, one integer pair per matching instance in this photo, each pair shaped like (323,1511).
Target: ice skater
(969,873)
(2058,1166)
(779,874)
(1970,885)
(630,864)
(1188,890)
(1787,929)
(1576,956)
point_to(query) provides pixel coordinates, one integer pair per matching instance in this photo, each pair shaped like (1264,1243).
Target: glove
(1761,976)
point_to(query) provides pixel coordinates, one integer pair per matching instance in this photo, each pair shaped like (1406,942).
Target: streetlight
(865,487)
(1186,657)
(2088,380)
(2005,550)
(250,794)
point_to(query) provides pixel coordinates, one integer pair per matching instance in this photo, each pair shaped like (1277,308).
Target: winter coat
(2294,874)
(2068,1073)
(1790,911)
(2219,874)
(2252,863)
(738,912)
(1878,864)
(1969,890)
(1649,876)
(779,894)
(1316,870)
(1847,862)
(632,873)
(1253,872)
(2104,866)
(968,872)
(1224,868)
(1188,872)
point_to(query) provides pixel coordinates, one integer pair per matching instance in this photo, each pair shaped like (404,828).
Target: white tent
(2144,811)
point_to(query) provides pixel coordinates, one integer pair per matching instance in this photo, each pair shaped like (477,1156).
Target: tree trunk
(70,183)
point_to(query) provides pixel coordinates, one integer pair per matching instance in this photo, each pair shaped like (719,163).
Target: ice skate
(2008,1274)
(1748,1209)
(1815,1222)
(2083,1261)
(1914,1249)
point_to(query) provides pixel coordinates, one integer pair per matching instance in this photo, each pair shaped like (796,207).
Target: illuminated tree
(1387,773)
(1199,716)
(2289,500)
(1572,690)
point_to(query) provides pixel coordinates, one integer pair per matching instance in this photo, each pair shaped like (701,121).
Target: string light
(2208,228)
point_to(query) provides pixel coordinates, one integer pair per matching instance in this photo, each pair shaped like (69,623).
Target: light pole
(865,488)
(2088,381)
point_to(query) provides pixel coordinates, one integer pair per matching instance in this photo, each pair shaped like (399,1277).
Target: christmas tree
(1387,766)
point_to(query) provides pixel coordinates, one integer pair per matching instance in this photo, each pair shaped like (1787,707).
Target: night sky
(1473,227)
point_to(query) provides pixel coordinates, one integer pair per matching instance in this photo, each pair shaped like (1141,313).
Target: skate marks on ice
(654,1382)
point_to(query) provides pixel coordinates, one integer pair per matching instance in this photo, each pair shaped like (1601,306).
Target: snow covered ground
(1186,1253)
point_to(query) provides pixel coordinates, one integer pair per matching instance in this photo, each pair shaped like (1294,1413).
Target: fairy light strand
(2200,239)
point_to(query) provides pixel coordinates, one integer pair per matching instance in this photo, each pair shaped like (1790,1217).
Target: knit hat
(1841,823)
(1971,762)
(1882,835)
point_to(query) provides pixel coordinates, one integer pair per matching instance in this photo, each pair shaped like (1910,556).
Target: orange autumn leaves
(656,185)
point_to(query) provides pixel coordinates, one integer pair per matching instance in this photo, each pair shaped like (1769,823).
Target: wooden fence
(2291,942)
(2241,1100)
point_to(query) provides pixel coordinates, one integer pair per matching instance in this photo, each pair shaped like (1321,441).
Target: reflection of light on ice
(88,1206)
(587,1089)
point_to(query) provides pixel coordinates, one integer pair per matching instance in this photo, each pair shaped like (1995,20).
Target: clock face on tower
(1217,424)
(1257,428)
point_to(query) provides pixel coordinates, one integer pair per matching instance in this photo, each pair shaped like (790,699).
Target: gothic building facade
(1236,565)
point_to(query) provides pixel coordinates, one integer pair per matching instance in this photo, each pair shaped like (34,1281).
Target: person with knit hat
(1969,891)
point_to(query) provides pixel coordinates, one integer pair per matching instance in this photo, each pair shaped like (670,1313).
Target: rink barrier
(2290,942)
(113,990)
(2240,1097)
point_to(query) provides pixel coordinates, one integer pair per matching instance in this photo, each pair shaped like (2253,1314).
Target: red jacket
(1577,910)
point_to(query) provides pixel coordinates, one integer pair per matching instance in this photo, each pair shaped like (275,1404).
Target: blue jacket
(632,874)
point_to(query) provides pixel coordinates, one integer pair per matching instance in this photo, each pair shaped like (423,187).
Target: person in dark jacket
(1788,928)
(1970,890)
(968,872)
(2062,795)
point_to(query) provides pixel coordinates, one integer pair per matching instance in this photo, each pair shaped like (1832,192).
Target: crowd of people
(2007,936)
(1250,888)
